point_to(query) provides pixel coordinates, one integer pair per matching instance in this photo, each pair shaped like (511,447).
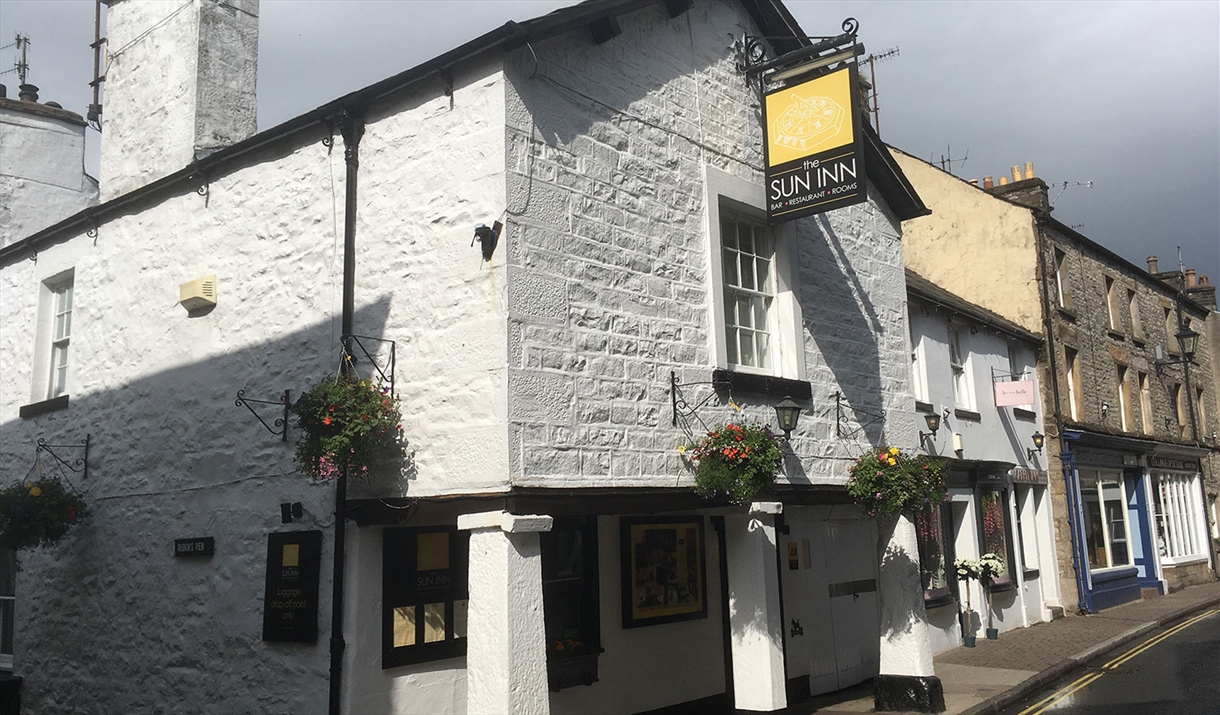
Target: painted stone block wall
(172,456)
(608,252)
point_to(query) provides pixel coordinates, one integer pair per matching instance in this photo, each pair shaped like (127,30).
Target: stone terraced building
(503,558)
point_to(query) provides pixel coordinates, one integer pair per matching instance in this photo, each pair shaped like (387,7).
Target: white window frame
(1179,516)
(1061,294)
(50,347)
(959,368)
(725,193)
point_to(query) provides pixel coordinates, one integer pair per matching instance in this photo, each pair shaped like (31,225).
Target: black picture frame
(664,570)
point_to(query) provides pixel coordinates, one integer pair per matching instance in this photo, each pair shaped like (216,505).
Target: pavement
(996,674)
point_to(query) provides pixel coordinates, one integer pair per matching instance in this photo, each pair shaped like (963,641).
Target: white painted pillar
(907,680)
(754,609)
(506,644)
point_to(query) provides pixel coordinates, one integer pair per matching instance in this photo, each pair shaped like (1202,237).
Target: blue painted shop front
(1112,536)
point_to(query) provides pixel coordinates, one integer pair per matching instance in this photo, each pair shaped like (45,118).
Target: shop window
(1104,497)
(1178,516)
(424,594)
(995,530)
(933,554)
(570,602)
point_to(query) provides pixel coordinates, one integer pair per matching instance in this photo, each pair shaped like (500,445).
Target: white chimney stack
(180,84)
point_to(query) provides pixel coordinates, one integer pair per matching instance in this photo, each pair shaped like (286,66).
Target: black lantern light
(1189,340)
(933,421)
(787,413)
(1038,439)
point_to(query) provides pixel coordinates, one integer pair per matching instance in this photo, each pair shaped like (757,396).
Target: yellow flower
(892,461)
(35,491)
(893,450)
(734,405)
(681,449)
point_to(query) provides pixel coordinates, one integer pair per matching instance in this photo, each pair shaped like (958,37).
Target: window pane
(745,313)
(747,239)
(404,626)
(931,548)
(747,272)
(432,550)
(729,261)
(728,234)
(995,526)
(1095,539)
(8,572)
(66,298)
(1116,520)
(747,349)
(763,270)
(434,622)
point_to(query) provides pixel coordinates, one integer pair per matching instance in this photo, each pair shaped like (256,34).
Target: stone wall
(609,147)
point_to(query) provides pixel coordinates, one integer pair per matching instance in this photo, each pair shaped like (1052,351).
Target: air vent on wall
(199,294)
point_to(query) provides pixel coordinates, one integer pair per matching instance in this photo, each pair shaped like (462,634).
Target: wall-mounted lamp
(945,413)
(487,238)
(933,421)
(1188,340)
(1039,439)
(787,413)
(289,511)
(1105,409)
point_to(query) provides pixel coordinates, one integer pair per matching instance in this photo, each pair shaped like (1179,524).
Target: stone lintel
(509,523)
(767,507)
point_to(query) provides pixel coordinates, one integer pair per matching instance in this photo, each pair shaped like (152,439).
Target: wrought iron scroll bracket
(842,406)
(683,409)
(360,346)
(80,465)
(278,428)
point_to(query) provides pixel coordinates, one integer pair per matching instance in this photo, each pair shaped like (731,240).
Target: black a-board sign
(290,605)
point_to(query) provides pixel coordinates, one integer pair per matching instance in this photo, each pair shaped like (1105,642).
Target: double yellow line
(1083,681)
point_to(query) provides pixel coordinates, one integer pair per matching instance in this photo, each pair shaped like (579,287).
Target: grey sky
(1123,94)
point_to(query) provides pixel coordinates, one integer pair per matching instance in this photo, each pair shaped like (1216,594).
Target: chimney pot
(1152,264)
(28,93)
(1003,181)
(1204,281)
(987,182)
(1029,170)
(1016,173)
(1190,278)
(974,182)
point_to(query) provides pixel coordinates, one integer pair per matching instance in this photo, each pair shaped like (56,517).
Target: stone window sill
(41,408)
(1024,414)
(924,406)
(1067,313)
(763,384)
(967,415)
(1116,335)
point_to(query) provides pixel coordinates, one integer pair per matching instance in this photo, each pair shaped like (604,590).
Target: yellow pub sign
(811,134)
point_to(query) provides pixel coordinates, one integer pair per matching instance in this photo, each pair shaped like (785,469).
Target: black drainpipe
(352,128)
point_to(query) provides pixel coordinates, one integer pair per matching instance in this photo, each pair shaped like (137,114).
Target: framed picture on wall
(664,570)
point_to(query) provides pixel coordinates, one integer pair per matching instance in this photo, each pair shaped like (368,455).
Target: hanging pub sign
(812,146)
(290,606)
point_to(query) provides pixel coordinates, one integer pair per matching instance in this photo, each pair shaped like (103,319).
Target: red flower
(71,513)
(332,408)
(326,420)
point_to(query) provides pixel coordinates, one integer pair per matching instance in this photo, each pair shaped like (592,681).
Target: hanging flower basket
(886,482)
(342,422)
(37,512)
(735,462)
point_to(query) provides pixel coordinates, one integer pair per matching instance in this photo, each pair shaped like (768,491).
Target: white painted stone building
(974,372)
(616,142)
(42,164)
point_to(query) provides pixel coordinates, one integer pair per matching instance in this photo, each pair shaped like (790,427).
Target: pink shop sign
(1018,392)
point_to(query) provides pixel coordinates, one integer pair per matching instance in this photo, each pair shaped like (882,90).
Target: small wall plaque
(202,546)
